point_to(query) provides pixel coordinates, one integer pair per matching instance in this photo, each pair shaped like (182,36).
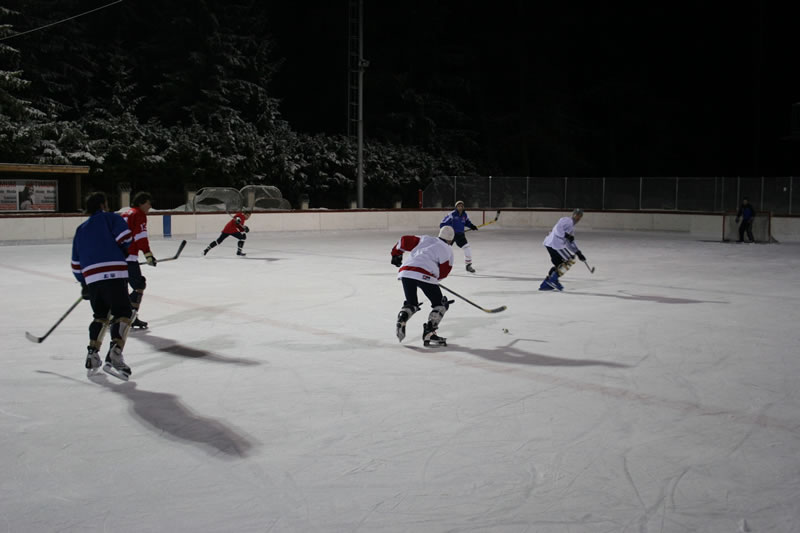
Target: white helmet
(447,233)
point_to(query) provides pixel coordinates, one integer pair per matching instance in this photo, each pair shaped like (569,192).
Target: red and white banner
(28,195)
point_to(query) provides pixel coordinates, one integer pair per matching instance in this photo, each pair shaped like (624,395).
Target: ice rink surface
(270,394)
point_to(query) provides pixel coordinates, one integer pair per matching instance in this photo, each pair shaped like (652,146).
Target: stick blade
(180,249)
(181,246)
(32,338)
(497,309)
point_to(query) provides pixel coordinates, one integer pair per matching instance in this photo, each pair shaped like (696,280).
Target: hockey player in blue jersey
(560,244)
(99,251)
(459,220)
(747,214)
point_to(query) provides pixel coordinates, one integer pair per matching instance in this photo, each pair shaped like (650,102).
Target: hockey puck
(505,330)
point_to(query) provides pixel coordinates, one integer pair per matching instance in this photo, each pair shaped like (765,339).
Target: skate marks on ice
(172,347)
(167,416)
(526,279)
(512,355)
(686,407)
(186,314)
(240,258)
(623,295)
(231,311)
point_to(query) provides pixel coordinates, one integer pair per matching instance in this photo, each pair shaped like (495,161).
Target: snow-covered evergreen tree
(19,119)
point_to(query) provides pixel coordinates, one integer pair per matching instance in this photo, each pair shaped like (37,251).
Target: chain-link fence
(781,196)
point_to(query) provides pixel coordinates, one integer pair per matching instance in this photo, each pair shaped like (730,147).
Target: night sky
(562,88)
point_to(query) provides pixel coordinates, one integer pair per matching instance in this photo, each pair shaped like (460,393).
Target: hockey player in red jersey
(136,217)
(429,260)
(234,228)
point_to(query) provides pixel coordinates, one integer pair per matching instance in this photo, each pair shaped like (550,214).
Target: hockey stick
(591,268)
(181,246)
(496,310)
(32,338)
(490,222)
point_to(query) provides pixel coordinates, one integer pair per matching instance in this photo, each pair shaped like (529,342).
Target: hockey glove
(581,256)
(446,303)
(397,260)
(246,229)
(473,227)
(151,260)
(85,292)
(570,238)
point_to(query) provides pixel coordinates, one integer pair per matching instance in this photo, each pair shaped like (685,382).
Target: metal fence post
(738,192)
(641,185)
(528,189)
(603,196)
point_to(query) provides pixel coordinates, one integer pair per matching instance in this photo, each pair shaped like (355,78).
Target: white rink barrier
(26,228)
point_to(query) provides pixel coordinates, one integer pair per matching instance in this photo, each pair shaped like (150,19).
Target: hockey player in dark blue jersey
(99,250)
(747,213)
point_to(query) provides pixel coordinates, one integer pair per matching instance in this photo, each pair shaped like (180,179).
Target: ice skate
(435,340)
(430,338)
(402,318)
(139,324)
(115,364)
(552,280)
(205,252)
(470,269)
(93,362)
(545,286)
(240,253)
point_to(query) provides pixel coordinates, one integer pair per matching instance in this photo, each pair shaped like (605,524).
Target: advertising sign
(28,195)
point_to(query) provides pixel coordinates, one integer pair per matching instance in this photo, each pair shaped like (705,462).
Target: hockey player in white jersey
(430,259)
(560,244)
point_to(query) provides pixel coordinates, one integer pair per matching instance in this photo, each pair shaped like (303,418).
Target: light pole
(355,89)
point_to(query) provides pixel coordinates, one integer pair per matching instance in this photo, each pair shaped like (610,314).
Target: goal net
(762,228)
(230,200)
(257,197)
(217,199)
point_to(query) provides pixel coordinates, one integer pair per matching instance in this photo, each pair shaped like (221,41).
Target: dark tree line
(167,95)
